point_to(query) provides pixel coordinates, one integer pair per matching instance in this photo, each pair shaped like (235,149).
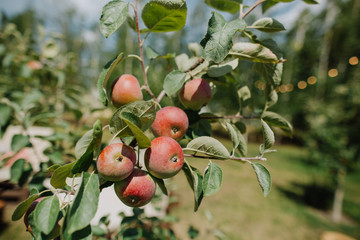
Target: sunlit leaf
(212,179)
(164,16)
(218,39)
(113,16)
(208,146)
(263,176)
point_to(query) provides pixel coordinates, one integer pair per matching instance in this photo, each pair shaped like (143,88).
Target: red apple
(125,90)
(170,122)
(116,162)
(136,190)
(35,65)
(195,94)
(165,157)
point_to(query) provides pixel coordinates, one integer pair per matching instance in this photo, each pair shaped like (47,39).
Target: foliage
(223,48)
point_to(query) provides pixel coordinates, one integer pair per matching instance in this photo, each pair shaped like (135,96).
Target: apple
(126,89)
(35,65)
(170,122)
(136,190)
(116,162)
(195,94)
(165,157)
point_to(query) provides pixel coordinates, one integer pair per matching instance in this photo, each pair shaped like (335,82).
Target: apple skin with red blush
(165,157)
(126,89)
(195,94)
(116,162)
(136,190)
(170,122)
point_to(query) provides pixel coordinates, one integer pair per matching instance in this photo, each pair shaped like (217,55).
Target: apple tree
(170,119)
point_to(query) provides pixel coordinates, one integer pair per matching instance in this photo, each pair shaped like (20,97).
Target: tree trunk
(339,196)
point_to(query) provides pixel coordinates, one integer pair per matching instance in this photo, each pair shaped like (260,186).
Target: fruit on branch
(126,89)
(136,190)
(116,162)
(165,157)
(195,94)
(170,122)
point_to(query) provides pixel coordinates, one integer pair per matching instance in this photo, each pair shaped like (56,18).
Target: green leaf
(311,1)
(19,141)
(224,101)
(46,214)
(104,77)
(270,3)
(113,16)
(151,53)
(5,114)
(208,146)
(254,52)
(269,138)
(20,172)
(231,6)
(17,170)
(160,182)
(267,25)
(60,174)
(271,72)
(275,120)
(83,144)
(144,110)
(23,207)
(271,97)
(263,176)
(237,138)
(88,148)
(194,178)
(164,15)
(130,120)
(85,204)
(173,82)
(218,39)
(223,68)
(55,157)
(212,179)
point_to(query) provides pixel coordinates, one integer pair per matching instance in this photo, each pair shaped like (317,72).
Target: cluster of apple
(164,158)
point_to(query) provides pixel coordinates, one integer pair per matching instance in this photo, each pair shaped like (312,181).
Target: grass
(241,212)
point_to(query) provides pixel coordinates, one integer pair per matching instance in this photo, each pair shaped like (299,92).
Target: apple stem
(141,43)
(252,8)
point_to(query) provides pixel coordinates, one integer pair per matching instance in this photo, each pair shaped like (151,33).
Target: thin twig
(230,117)
(252,8)
(146,84)
(195,65)
(241,159)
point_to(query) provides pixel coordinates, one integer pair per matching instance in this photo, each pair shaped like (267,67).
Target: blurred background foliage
(49,79)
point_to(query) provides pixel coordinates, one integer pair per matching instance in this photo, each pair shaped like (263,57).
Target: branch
(230,117)
(200,61)
(146,84)
(239,159)
(252,8)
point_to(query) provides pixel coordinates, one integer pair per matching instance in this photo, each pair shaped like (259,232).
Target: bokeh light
(354,60)
(302,85)
(312,80)
(333,72)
